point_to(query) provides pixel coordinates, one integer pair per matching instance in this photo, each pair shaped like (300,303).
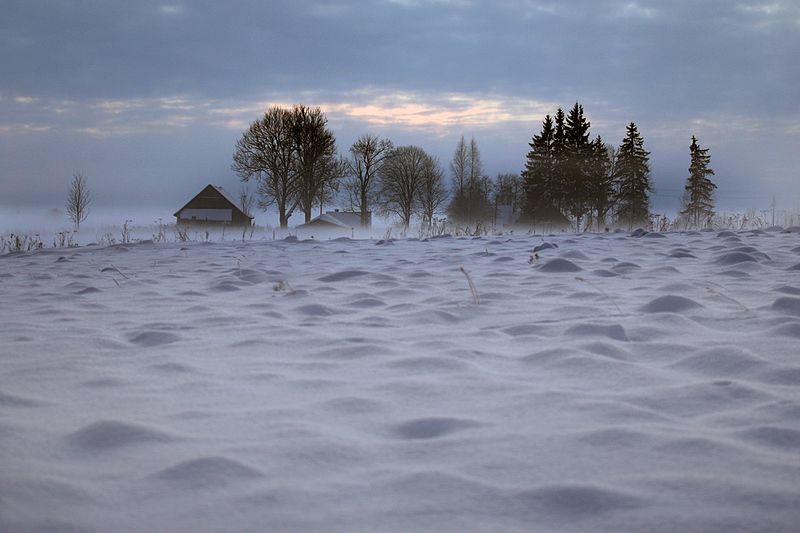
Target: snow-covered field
(617,383)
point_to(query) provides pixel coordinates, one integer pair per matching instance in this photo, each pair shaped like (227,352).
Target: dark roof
(340,219)
(325,220)
(222,193)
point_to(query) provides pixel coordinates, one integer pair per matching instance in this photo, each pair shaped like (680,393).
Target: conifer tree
(577,158)
(601,181)
(699,196)
(537,176)
(556,182)
(633,179)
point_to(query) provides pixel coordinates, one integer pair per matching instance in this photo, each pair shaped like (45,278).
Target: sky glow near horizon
(148,100)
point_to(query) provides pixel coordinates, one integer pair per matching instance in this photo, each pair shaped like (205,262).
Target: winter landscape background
(576,308)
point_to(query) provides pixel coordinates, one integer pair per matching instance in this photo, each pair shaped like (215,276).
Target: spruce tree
(537,176)
(699,196)
(632,177)
(601,181)
(576,160)
(556,181)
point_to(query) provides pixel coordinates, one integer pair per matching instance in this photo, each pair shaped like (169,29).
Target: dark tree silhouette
(315,157)
(538,177)
(508,190)
(460,168)
(400,179)
(291,154)
(432,192)
(78,199)
(557,182)
(471,189)
(699,190)
(632,175)
(577,156)
(601,181)
(266,153)
(363,166)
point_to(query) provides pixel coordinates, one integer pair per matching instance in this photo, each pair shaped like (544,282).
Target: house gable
(212,205)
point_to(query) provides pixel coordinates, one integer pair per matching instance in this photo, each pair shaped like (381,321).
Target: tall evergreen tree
(556,181)
(601,181)
(699,196)
(633,179)
(577,160)
(539,167)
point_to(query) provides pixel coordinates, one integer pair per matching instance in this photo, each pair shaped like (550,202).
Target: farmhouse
(212,205)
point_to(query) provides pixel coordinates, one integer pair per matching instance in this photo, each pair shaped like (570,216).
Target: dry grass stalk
(472,289)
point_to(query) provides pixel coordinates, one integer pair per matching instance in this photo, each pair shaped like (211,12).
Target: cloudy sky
(147,98)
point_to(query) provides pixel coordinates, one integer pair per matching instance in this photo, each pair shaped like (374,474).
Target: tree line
(572,180)
(569,179)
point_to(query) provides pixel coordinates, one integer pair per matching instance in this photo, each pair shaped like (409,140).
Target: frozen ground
(620,383)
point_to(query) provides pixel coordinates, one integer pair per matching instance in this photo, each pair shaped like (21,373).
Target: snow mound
(734,258)
(611,331)
(670,303)
(208,472)
(12,400)
(432,428)
(578,500)
(150,338)
(791,329)
(112,434)
(559,265)
(787,305)
(727,361)
(780,438)
(544,246)
(315,310)
(343,275)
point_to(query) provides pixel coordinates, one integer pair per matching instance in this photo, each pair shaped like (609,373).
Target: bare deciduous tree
(78,199)
(315,152)
(266,153)
(400,179)
(366,157)
(432,191)
(246,200)
(509,191)
(470,201)
(292,156)
(460,167)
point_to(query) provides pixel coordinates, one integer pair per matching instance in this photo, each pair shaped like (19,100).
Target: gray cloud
(133,77)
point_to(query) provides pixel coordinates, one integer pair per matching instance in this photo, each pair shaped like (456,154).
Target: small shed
(213,205)
(334,220)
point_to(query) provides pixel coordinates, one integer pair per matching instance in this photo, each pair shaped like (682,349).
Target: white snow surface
(619,383)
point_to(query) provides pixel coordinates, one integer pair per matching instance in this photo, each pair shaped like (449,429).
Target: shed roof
(222,193)
(327,219)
